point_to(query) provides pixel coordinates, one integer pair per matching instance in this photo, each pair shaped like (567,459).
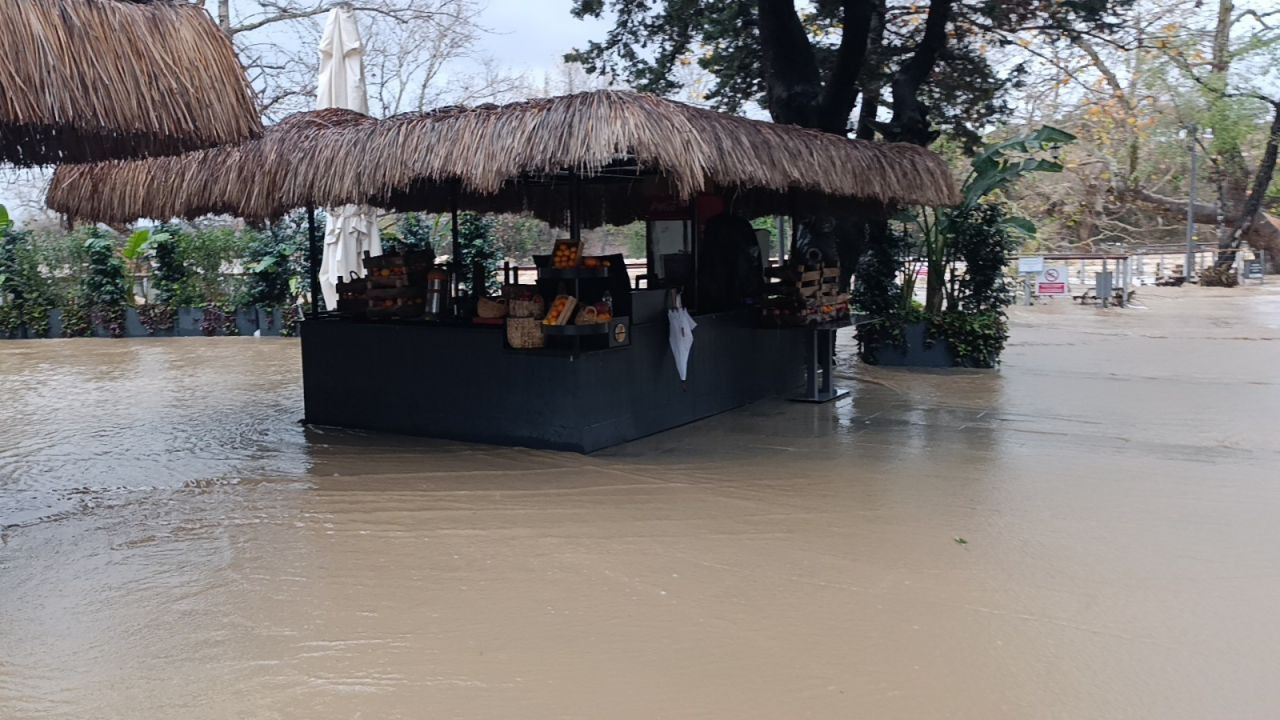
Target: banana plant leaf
(1003,163)
(1021,225)
(137,246)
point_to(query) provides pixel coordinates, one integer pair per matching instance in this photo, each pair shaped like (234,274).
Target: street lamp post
(1189,265)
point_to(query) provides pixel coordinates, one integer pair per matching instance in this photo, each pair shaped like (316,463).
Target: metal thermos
(437,293)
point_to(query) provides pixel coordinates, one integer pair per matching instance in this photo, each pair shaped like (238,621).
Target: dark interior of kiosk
(699,248)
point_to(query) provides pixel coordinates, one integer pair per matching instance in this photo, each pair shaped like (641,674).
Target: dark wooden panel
(462,384)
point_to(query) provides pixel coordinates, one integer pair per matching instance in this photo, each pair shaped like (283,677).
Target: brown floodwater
(1089,532)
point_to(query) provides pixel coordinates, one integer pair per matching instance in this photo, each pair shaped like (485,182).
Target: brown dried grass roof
(90,80)
(627,148)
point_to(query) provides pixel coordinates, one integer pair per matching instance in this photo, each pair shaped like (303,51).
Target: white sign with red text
(1053,281)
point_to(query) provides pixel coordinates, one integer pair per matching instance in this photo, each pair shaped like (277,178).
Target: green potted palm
(961,253)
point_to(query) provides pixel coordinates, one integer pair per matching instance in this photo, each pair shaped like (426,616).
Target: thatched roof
(89,80)
(627,149)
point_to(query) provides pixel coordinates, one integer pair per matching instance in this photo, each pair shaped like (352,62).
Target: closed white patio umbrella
(351,229)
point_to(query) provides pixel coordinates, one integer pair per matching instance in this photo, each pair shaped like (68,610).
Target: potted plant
(104,287)
(961,252)
(27,295)
(272,272)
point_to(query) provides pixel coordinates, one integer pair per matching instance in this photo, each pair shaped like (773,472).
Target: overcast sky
(533,35)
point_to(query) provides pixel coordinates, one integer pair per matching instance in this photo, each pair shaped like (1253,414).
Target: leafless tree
(414,48)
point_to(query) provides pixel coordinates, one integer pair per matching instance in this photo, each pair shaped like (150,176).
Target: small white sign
(1053,281)
(1030,265)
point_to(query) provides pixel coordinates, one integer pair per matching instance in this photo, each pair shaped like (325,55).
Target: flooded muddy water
(1089,532)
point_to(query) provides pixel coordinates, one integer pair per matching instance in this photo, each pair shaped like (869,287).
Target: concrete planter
(187,323)
(133,326)
(55,323)
(920,350)
(159,332)
(269,320)
(246,320)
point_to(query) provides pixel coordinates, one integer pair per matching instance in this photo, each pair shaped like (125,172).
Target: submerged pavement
(1088,532)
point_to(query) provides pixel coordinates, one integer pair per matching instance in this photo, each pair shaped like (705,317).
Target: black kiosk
(587,388)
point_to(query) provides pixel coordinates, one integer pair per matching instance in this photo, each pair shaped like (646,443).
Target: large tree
(812,63)
(1133,95)
(834,65)
(1219,74)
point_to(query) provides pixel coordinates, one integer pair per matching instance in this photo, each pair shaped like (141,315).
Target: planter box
(246,321)
(160,332)
(55,323)
(188,322)
(269,320)
(133,326)
(919,351)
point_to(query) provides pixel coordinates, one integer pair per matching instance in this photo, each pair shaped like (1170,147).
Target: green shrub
(105,288)
(273,260)
(878,294)
(170,277)
(207,253)
(26,291)
(76,321)
(478,245)
(414,231)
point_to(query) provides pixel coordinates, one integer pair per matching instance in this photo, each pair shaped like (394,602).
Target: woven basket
(524,333)
(491,309)
(587,316)
(535,308)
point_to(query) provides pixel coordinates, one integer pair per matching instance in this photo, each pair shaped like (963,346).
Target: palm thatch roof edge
(627,148)
(88,80)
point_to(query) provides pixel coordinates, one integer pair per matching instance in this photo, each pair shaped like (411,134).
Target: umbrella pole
(575,210)
(456,252)
(313,261)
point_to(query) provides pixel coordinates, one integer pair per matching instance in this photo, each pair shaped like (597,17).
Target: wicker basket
(535,308)
(491,309)
(524,333)
(587,315)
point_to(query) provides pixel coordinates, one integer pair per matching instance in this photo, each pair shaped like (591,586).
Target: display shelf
(580,273)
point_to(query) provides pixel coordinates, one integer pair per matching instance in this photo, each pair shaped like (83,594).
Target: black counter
(462,383)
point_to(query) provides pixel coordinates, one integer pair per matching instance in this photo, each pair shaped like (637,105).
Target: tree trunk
(224,16)
(793,84)
(1131,93)
(1231,178)
(1247,219)
(910,121)
(935,284)
(871,79)
(1262,235)
(841,91)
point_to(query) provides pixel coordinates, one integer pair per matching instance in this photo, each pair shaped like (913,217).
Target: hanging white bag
(680,333)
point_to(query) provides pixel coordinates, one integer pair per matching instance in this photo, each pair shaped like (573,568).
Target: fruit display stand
(578,385)
(580,292)
(582,387)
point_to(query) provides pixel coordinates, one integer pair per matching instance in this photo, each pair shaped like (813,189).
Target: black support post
(455,261)
(313,261)
(575,209)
